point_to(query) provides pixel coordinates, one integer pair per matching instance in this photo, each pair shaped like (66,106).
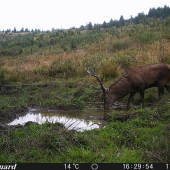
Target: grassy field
(144,137)
(110,52)
(47,69)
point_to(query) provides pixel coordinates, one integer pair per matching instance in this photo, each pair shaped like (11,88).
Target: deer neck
(120,89)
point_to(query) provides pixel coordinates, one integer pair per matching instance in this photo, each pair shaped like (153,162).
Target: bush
(125,62)
(109,69)
(118,45)
(62,70)
(146,37)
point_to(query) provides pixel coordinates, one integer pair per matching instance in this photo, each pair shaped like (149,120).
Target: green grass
(65,95)
(59,95)
(144,137)
(63,84)
(47,144)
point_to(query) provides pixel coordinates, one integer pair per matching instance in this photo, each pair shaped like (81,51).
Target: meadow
(47,69)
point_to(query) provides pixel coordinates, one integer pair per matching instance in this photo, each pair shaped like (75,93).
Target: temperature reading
(67,166)
(74,166)
(167,166)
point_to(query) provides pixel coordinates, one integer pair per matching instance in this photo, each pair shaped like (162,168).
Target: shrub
(109,69)
(118,45)
(147,36)
(125,62)
(62,70)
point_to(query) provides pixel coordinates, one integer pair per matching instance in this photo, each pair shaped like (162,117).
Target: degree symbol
(94,166)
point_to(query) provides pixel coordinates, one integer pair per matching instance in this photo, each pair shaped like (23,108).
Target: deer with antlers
(135,80)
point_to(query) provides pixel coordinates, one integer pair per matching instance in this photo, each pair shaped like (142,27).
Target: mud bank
(8,116)
(5,128)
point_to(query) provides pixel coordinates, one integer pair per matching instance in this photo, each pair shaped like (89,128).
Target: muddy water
(79,120)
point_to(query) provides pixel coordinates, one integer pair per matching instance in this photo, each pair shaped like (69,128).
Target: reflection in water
(78,120)
(69,119)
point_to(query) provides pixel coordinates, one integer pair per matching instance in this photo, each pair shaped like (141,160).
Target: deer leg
(161,91)
(142,98)
(167,88)
(132,94)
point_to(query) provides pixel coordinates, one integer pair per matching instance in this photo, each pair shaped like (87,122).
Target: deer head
(108,97)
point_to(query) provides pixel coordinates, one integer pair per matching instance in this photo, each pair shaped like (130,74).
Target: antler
(99,96)
(91,71)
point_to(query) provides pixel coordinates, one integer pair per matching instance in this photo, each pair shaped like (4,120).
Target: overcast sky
(48,14)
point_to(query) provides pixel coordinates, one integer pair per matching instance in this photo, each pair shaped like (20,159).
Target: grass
(51,73)
(144,137)
(47,95)
(66,65)
(97,49)
(65,95)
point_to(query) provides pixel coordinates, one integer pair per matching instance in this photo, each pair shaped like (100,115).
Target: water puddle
(79,119)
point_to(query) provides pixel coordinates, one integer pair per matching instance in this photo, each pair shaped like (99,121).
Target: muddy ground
(9,116)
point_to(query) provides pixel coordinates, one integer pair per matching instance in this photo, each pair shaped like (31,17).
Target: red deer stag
(135,80)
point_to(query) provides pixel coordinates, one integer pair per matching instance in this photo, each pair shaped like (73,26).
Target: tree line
(161,13)
(37,41)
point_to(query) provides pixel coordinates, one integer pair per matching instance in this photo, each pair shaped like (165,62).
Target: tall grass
(104,51)
(58,67)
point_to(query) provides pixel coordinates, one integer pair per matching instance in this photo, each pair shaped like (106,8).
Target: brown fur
(138,79)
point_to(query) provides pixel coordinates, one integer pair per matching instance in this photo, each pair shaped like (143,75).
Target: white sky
(48,14)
